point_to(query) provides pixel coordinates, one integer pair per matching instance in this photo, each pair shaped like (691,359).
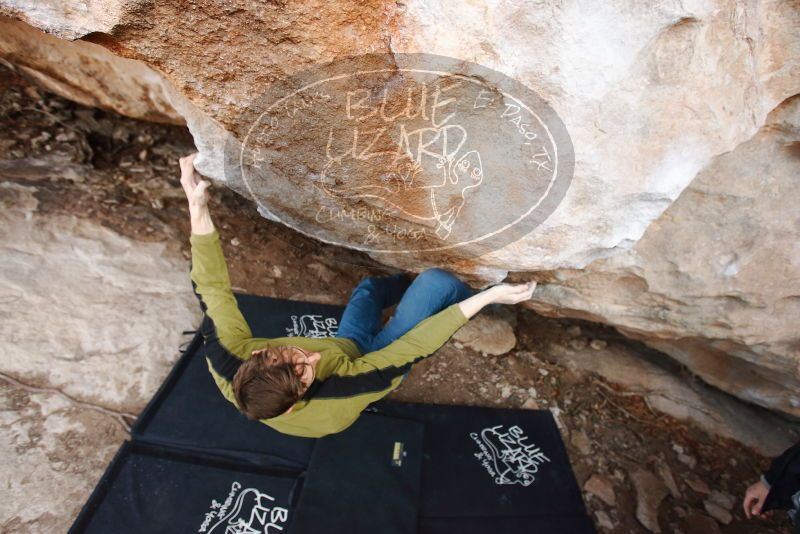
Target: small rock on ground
(698,486)
(725,500)
(665,473)
(650,491)
(582,442)
(687,460)
(530,404)
(488,334)
(717,512)
(603,521)
(598,344)
(601,488)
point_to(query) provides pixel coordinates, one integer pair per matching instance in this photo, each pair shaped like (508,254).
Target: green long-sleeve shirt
(346,381)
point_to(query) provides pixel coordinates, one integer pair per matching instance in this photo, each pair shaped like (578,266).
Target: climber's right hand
(193,184)
(511,293)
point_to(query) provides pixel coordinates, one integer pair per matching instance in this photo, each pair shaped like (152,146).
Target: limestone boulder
(86,311)
(90,326)
(89,74)
(55,451)
(715,281)
(679,225)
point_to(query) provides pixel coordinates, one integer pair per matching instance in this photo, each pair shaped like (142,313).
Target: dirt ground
(124,174)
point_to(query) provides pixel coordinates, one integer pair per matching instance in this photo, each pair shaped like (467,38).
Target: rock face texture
(666,391)
(55,451)
(714,281)
(143,295)
(679,225)
(90,74)
(77,364)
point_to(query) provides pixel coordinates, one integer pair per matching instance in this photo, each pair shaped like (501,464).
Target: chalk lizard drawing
(450,174)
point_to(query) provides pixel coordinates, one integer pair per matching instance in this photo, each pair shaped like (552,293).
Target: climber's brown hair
(267,384)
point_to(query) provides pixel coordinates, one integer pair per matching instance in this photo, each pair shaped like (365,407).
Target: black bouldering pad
(485,467)
(506,462)
(366,476)
(479,469)
(158,490)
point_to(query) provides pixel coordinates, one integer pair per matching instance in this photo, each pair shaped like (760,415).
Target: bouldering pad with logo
(157,490)
(479,469)
(507,462)
(491,466)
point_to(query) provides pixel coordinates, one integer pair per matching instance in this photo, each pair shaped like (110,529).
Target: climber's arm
(430,334)
(373,375)
(209,273)
(196,190)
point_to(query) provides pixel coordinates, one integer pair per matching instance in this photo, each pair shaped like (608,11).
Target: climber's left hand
(196,190)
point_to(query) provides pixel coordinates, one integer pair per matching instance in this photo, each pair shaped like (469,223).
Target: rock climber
(317,386)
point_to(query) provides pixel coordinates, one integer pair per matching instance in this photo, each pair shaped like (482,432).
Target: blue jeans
(429,293)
